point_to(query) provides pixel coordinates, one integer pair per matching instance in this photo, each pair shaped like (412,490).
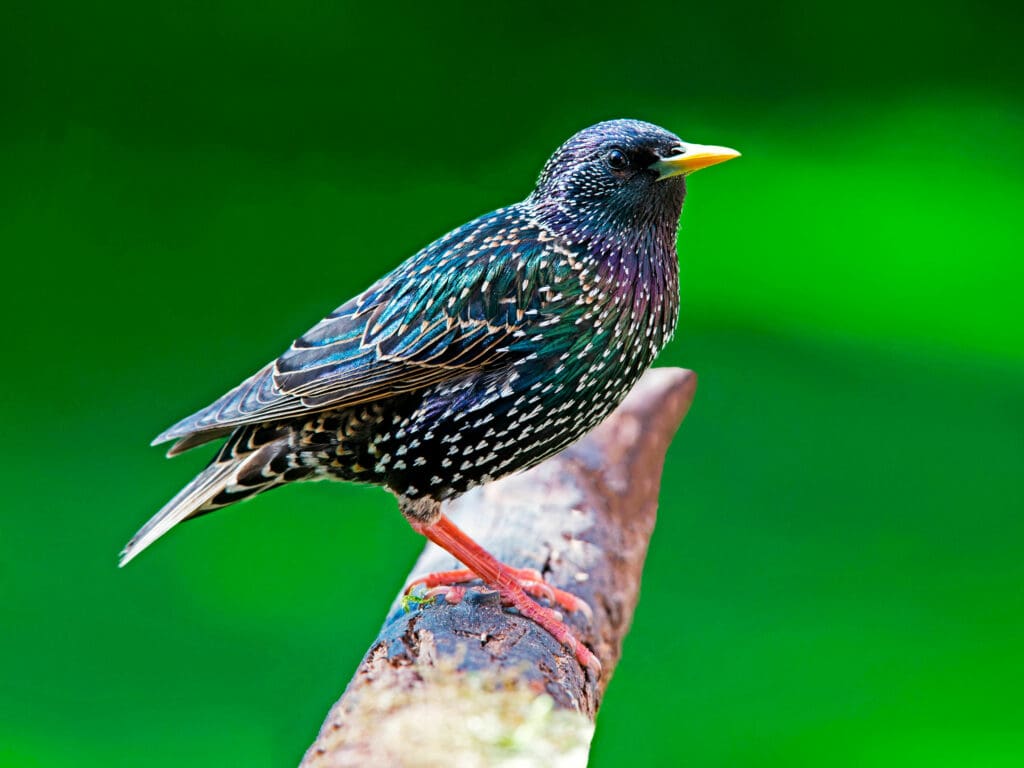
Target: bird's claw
(531,580)
(452,586)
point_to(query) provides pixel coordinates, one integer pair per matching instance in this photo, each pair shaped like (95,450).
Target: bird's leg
(506,580)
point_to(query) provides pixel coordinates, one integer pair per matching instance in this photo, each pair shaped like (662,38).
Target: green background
(837,574)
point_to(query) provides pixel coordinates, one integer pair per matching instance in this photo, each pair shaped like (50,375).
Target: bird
(491,349)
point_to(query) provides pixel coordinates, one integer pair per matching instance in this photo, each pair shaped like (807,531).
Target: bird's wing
(460,305)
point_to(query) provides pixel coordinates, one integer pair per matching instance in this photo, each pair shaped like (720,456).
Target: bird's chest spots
(585,339)
(462,435)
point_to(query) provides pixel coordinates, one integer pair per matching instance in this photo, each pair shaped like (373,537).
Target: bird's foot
(516,586)
(447,584)
(551,621)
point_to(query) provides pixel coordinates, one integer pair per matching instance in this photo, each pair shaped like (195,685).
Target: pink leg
(507,581)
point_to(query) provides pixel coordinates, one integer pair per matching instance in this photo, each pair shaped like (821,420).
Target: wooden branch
(473,684)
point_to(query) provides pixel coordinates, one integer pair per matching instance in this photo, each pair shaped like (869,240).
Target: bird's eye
(617,160)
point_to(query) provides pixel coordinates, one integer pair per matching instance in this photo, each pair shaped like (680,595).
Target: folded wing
(461,305)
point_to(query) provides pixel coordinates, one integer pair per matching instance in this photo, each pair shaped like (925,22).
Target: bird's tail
(225,481)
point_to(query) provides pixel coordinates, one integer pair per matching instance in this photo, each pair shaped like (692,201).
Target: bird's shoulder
(486,279)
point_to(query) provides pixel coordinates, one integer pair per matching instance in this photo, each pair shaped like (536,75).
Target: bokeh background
(837,576)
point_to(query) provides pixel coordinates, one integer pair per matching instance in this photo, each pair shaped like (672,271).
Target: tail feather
(189,500)
(251,471)
(189,442)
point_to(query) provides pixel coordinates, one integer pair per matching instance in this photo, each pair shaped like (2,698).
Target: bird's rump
(459,306)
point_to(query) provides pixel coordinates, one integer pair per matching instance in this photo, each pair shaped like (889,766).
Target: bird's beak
(690,158)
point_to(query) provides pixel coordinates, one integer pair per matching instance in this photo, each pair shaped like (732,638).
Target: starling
(485,353)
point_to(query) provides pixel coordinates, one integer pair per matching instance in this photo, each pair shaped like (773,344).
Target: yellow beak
(690,158)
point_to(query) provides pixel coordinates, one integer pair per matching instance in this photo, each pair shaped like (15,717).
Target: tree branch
(582,518)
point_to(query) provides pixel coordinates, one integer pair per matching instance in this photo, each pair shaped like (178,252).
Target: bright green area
(837,576)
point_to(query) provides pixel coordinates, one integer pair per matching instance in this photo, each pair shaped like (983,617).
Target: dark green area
(837,575)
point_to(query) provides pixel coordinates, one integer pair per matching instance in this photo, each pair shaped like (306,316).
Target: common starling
(485,353)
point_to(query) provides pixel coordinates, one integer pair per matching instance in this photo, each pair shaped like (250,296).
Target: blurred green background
(837,575)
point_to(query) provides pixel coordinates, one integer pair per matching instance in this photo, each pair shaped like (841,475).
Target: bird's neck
(635,264)
(644,281)
(622,234)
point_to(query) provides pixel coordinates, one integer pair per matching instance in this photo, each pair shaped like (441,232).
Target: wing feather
(454,308)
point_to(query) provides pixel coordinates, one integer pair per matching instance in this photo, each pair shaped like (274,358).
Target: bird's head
(618,178)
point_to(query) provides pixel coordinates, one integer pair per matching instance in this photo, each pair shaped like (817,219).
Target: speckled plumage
(488,351)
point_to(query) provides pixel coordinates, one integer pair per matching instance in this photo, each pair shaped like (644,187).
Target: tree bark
(474,684)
